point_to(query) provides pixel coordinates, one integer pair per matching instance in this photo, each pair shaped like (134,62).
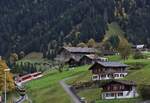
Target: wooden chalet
(68,52)
(108,70)
(117,89)
(91,59)
(73,61)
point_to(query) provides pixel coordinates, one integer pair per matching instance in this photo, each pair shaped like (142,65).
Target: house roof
(80,49)
(75,58)
(94,57)
(112,64)
(108,64)
(125,82)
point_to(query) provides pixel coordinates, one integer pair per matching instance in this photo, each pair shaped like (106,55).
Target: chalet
(91,59)
(73,61)
(108,70)
(68,52)
(119,89)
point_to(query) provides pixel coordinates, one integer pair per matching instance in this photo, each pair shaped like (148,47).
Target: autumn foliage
(9,78)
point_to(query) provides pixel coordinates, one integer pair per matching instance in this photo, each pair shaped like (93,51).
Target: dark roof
(108,64)
(112,64)
(75,58)
(125,82)
(80,50)
(94,57)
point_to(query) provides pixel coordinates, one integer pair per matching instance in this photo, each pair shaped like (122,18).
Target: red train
(28,77)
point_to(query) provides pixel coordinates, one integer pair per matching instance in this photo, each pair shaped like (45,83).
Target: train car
(28,77)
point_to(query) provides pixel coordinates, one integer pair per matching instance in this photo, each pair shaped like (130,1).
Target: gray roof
(94,57)
(80,49)
(112,64)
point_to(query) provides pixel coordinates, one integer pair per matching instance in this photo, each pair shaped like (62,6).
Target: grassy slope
(48,89)
(118,101)
(90,94)
(141,76)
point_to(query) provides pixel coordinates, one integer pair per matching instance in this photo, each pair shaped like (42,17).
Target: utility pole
(6,70)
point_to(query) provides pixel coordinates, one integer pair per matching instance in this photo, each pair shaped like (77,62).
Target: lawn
(48,90)
(118,101)
(90,94)
(113,58)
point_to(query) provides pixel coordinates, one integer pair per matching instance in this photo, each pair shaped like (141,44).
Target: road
(67,89)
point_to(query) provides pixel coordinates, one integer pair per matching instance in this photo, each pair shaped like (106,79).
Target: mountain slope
(32,25)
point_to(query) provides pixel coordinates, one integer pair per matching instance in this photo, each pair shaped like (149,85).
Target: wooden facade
(108,70)
(117,89)
(117,86)
(68,52)
(91,59)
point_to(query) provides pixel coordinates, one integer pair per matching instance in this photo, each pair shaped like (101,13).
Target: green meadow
(48,90)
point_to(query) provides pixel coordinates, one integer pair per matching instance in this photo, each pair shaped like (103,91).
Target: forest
(44,25)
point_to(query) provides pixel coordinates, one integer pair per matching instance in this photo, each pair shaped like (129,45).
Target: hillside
(50,83)
(35,25)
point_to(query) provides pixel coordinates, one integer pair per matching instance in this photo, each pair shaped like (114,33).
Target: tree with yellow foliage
(91,43)
(124,49)
(82,45)
(9,78)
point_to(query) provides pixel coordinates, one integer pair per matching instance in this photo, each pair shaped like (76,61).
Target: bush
(138,55)
(145,92)
(137,66)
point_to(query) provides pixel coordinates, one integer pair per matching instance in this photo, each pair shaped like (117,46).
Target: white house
(119,89)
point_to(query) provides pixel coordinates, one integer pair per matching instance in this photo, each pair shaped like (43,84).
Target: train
(28,77)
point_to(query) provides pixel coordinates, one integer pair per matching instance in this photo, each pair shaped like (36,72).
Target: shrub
(145,92)
(137,66)
(138,55)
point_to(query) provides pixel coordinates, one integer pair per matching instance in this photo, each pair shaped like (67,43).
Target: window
(121,75)
(103,76)
(108,88)
(95,77)
(116,75)
(115,88)
(110,75)
(110,95)
(120,94)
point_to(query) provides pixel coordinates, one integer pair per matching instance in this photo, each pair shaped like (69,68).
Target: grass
(90,94)
(140,76)
(118,101)
(48,90)
(84,77)
(113,58)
